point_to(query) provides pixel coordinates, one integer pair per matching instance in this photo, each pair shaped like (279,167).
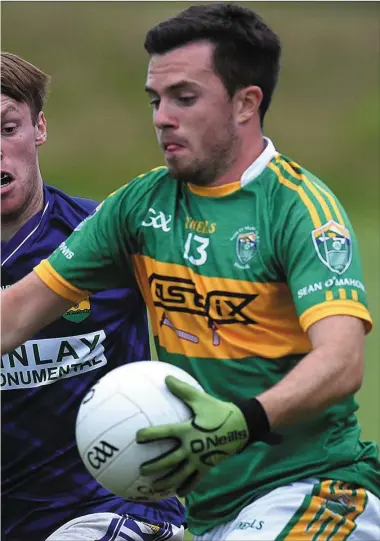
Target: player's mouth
(171,146)
(6,180)
(172,150)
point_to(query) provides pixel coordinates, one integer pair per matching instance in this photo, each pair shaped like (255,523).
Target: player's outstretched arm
(26,307)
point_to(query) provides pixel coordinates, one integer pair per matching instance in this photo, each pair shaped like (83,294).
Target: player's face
(20,176)
(192,114)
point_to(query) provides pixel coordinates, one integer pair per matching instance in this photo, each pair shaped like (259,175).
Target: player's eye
(8,129)
(154,102)
(187,100)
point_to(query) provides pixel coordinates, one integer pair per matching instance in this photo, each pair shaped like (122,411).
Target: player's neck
(249,151)
(11,224)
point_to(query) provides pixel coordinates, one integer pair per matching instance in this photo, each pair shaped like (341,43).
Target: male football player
(250,268)
(45,486)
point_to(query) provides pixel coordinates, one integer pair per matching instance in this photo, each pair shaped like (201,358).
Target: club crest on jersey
(78,312)
(246,244)
(332,243)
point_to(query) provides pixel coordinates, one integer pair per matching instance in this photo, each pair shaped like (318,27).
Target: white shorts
(112,527)
(308,510)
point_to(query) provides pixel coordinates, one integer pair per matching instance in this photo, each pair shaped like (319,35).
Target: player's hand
(217,431)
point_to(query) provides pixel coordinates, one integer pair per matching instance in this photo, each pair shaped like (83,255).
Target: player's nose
(162,117)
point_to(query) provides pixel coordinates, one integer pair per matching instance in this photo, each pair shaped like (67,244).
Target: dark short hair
(23,82)
(247,52)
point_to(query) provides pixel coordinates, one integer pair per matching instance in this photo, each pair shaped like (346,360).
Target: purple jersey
(44,483)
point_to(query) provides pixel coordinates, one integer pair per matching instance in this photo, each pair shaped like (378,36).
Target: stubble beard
(218,158)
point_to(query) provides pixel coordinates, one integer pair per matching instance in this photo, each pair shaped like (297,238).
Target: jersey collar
(252,172)
(28,232)
(258,166)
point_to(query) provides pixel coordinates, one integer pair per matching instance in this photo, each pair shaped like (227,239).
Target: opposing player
(250,268)
(44,483)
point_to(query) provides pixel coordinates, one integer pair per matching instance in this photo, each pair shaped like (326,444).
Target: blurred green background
(325,113)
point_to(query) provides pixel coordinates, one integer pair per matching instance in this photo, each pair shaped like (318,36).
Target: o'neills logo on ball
(79,312)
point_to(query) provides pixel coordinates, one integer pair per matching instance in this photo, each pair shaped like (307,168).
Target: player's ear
(40,129)
(247,103)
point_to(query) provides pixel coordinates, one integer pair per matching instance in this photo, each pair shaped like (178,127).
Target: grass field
(325,113)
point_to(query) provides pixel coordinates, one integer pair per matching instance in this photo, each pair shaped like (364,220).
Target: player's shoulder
(290,180)
(286,172)
(153,176)
(72,208)
(297,191)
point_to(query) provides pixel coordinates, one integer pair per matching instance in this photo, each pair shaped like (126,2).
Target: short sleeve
(320,259)
(95,256)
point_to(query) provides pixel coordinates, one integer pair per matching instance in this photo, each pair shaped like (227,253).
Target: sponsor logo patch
(78,312)
(181,295)
(68,254)
(157,220)
(45,361)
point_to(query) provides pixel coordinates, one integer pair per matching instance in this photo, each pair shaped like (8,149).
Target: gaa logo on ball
(128,398)
(100,453)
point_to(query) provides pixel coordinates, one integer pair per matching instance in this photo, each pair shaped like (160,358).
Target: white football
(126,399)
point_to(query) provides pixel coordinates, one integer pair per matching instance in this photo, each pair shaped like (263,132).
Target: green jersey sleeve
(319,255)
(95,256)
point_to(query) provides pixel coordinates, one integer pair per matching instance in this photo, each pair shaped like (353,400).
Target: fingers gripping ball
(216,432)
(127,399)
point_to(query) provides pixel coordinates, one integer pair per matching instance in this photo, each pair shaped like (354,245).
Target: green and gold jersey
(233,277)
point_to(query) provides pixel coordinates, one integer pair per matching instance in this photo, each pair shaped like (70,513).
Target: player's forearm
(322,378)
(12,308)
(26,307)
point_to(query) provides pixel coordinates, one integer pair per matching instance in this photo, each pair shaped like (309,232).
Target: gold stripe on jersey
(316,186)
(213,317)
(342,294)
(333,203)
(354,295)
(58,284)
(335,308)
(300,190)
(321,520)
(303,178)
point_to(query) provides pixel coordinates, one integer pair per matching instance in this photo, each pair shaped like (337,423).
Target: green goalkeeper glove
(217,431)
